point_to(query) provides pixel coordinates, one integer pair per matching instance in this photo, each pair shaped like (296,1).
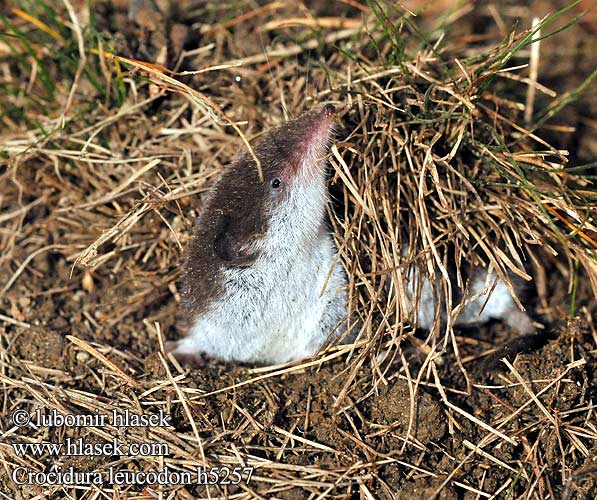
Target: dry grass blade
(158,75)
(96,354)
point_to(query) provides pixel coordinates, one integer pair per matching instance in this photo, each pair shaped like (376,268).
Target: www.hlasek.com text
(80,448)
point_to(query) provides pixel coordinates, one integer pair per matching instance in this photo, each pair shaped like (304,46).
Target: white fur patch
(488,298)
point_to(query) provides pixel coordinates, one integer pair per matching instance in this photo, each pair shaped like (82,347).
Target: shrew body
(257,286)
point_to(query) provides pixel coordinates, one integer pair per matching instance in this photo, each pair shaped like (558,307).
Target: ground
(104,166)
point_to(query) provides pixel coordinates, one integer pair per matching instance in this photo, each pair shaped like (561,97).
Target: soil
(416,454)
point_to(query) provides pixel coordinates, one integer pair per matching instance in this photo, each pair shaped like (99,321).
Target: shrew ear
(223,244)
(232,246)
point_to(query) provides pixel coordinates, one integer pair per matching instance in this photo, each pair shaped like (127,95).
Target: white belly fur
(285,315)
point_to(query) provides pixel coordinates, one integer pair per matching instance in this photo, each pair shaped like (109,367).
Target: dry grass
(444,153)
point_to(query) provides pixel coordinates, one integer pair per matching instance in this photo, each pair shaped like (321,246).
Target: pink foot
(193,360)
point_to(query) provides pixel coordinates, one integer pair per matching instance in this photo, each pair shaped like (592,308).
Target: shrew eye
(275,183)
